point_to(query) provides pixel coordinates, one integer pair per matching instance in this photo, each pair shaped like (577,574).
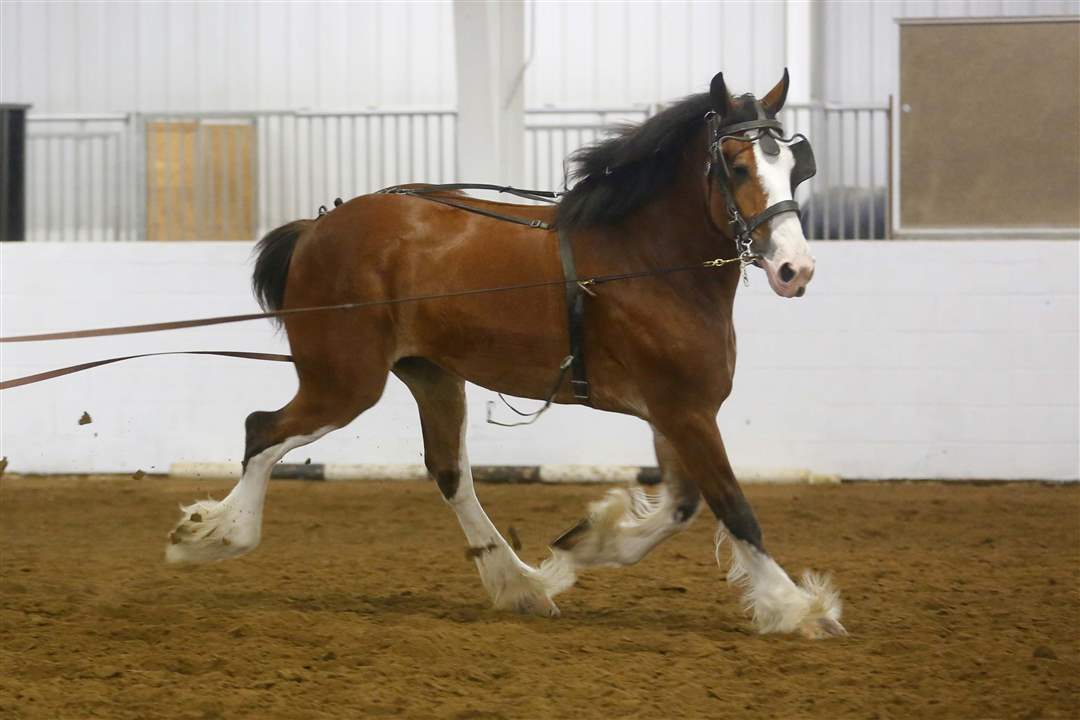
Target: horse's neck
(674,231)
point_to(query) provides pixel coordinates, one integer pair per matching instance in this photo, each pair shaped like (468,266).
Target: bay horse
(673,191)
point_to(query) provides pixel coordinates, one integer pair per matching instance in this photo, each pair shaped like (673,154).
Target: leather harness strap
(575,295)
(50,374)
(575,316)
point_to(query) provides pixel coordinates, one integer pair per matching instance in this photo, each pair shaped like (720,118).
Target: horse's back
(397,248)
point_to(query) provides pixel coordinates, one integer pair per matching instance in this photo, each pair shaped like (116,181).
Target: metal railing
(233,175)
(175,176)
(255,171)
(846,200)
(553,134)
(80,177)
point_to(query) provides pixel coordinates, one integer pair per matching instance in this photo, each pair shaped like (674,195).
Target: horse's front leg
(778,605)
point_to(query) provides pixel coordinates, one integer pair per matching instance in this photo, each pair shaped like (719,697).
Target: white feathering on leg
(557,572)
(624,525)
(777,604)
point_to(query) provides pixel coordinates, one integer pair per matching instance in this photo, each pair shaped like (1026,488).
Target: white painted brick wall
(947,359)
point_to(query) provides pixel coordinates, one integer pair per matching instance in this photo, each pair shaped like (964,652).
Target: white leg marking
(511,583)
(777,604)
(213,530)
(625,526)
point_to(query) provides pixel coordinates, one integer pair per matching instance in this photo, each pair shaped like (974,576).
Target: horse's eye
(740,172)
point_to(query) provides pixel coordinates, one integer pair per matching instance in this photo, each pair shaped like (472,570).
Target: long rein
(427,192)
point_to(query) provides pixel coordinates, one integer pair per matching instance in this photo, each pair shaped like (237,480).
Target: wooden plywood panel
(990,124)
(200,184)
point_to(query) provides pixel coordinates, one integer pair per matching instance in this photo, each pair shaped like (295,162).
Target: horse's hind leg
(215,530)
(623,527)
(511,583)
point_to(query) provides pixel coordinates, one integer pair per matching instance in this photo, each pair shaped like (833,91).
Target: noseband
(765,132)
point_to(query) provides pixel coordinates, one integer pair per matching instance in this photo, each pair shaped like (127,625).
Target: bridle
(766,132)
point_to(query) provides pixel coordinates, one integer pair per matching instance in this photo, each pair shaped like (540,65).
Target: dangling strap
(575,313)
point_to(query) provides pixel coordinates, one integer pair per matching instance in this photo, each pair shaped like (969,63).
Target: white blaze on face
(787,260)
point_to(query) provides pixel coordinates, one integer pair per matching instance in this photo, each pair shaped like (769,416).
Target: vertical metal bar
(284,209)
(143,202)
(239,135)
(535,158)
(381,145)
(76,199)
(176,226)
(397,149)
(826,215)
(100,181)
(354,180)
(255,152)
(62,168)
(123,140)
(209,180)
(227,170)
(281,172)
(47,194)
(141,196)
(103,184)
(87,147)
(369,155)
(339,159)
(410,147)
(841,117)
(223,170)
(177,144)
(86,207)
(294,177)
(442,147)
(425,134)
(117,166)
(311,157)
(889,188)
(857,116)
(872,234)
(325,184)
(199,182)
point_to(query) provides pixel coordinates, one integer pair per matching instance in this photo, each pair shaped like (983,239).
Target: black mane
(617,175)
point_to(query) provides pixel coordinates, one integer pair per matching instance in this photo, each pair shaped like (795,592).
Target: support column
(490,50)
(803,49)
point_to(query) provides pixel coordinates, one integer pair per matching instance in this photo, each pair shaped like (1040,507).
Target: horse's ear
(775,98)
(718,91)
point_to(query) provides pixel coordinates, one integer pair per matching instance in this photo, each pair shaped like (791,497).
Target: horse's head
(753,172)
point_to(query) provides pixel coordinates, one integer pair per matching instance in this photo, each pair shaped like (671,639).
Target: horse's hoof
(822,628)
(832,628)
(208,532)
(540,605)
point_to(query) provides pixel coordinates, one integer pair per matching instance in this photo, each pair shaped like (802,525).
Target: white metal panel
(861,38)
(86,56)
(627,53)
(91,57)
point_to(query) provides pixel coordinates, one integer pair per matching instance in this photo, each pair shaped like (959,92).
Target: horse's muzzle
(789,276)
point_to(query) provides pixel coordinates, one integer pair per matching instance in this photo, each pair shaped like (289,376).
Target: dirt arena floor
(962,602)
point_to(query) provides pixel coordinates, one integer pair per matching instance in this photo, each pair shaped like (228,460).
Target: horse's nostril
(801,291)
(787,272)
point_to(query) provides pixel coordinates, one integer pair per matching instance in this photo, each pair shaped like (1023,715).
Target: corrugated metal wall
(183,55)
(189,56)
(644,51)
(860,39)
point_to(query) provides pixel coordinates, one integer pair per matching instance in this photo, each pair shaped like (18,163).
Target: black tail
(272,257)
